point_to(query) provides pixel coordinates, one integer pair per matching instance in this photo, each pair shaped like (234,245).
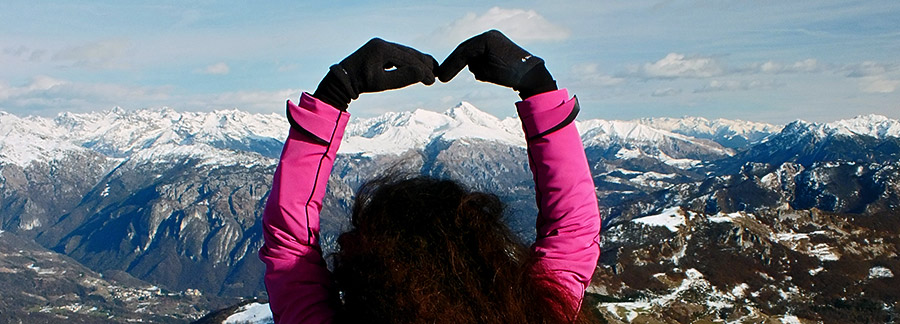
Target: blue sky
(772,61)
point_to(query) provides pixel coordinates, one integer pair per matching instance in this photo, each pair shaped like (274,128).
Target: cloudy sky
(772,61)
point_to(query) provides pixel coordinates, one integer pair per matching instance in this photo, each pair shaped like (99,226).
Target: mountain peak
(465,112)
(877,126)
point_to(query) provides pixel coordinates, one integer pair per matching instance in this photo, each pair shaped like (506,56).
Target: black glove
(376,66)
(492,57)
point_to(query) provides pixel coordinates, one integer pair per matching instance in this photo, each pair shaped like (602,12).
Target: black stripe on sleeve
(568,120)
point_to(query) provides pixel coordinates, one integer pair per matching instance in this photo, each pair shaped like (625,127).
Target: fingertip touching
(430,71)
(447,70)
(460,57)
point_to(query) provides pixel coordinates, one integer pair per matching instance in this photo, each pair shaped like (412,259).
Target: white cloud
(102,54)
(874,77)
(868,69)
(23,52)
(809,65)
(735,85)
(217,69)
(676,65)
(45,94)
(878,84)
(255,101)
(16,51)
(37,84)
(520,25)
(589,73)
(666,92)
(36,55)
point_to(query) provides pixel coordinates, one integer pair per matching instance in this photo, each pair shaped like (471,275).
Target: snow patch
(671,218)
(631,309)
(725,218)
(740,291)
(880,272)
(800,242)
(625,153)
(824,252)
(253,313)
(682,163)
(42,272)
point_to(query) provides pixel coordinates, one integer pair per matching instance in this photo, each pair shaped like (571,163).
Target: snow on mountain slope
(598,131)
(206,154)
(723,131)
(395,133)
(876,126)
(253,313)
(119,133)
(225,137)
(23,140)
(159,134)
(636,141)
(220,136)
(217,136)
(474,123)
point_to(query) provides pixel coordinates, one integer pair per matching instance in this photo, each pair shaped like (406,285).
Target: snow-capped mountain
(166,195)
(119,133)
(23,140)
(395,133)
(876,126)
(866,139)
(161,134)
(734,134)
(154,134)
(633,140)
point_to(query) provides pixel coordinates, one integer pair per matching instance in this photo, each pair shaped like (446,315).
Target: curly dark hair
(426,250)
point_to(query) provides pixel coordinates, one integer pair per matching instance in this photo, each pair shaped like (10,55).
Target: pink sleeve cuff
(546,113)
(316,118)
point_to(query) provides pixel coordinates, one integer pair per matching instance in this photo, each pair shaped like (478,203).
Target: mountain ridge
(165,195)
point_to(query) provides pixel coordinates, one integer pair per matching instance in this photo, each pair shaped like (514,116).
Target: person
(425,250)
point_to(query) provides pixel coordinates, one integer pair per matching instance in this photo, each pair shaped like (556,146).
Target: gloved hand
(492,57)
(376,66)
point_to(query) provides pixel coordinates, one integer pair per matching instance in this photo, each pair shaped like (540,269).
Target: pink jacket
(568,225)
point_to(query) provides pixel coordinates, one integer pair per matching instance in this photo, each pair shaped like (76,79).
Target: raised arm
(568,223)
(297,279)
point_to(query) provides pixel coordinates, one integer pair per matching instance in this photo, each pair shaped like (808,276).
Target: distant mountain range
(166,195)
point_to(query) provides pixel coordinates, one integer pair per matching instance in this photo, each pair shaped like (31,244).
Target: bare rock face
(33,197)
(182,225)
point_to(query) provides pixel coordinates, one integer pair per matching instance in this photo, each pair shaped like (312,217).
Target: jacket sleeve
(568,223)
(297,280)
